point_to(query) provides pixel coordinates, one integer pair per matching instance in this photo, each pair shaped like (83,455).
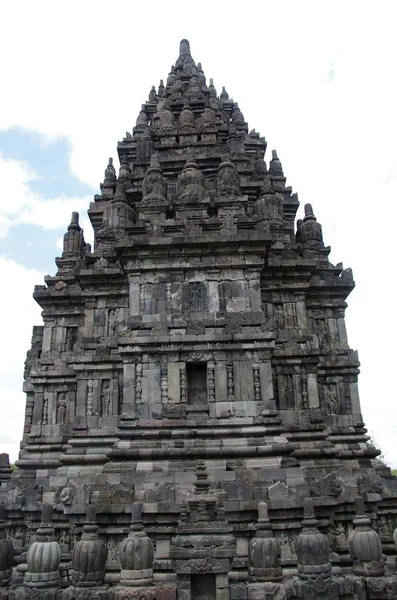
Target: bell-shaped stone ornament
(73,239)
(275,167)
(124,171)
(227,179)
(191,182)
(119,212)
(44,555)
(224,95)
(153,94)
(89,555)
(311,231)
(365,546)
(264,549)
(269,206)
(171,77)
(312,547)
(154,186)
(110,174)
(6,552)
(186,122)
(208,119)
(200,74)
(143,118)
(136,553)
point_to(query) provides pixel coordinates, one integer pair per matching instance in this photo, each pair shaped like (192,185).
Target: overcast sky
(316,78)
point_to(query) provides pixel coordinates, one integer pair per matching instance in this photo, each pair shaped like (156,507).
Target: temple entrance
(203,587)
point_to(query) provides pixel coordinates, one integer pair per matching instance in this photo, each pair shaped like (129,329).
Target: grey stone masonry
(193,370)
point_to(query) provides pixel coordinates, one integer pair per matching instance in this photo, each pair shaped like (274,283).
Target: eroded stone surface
(195,364)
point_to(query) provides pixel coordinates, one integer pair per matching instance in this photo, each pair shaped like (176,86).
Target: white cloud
(20,204)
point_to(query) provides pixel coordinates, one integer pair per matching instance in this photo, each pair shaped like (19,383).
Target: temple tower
(195,363)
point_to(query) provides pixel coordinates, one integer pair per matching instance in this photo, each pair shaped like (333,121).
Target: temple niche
(193,427)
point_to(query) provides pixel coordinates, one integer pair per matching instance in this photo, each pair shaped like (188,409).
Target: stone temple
(193,426)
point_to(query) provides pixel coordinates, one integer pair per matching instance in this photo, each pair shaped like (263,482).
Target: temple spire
(184,48)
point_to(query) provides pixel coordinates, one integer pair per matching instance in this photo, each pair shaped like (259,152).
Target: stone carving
(329,485)
(73,239)
(106,399)
(136,554)
(62,408)
(66,495)
(364,545)
(310,231)
(312,548)
(371,483)
(339,535)
(119,213)
(196,360)
(228,180)
(187,123)
(269,206)
(110,174)
(44,555)
(154,186)
(89,555)
(264,549)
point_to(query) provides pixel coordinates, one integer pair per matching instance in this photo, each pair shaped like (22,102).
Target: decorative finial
(224,95)
(211,88)
(74,222)
(184,47)
(152,94)
(110,173)
(276,168)
(309,215)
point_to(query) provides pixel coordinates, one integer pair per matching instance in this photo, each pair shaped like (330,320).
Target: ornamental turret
(171,77)
(89,555)
(208,120)
(153,94)
(120,214)
(136,553)
(154,190)
(200,74)
(264,549)
(269,206)
(163,118)
(191,182)
(365,545)
(237,118)
(73,240)
(44,555)
(311,234)
(187,122)
(124,171)
(224,95)
(227,179)
(312,547)
(110,175)
(185,59)
(275,167)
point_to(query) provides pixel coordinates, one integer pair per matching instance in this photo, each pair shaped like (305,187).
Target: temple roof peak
(185,56)
(184,47)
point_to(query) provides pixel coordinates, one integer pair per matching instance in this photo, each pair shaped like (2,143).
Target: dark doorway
(203,587)
(197,384)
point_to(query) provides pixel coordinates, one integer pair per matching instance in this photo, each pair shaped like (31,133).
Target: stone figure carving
(62,408)
(105,398)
